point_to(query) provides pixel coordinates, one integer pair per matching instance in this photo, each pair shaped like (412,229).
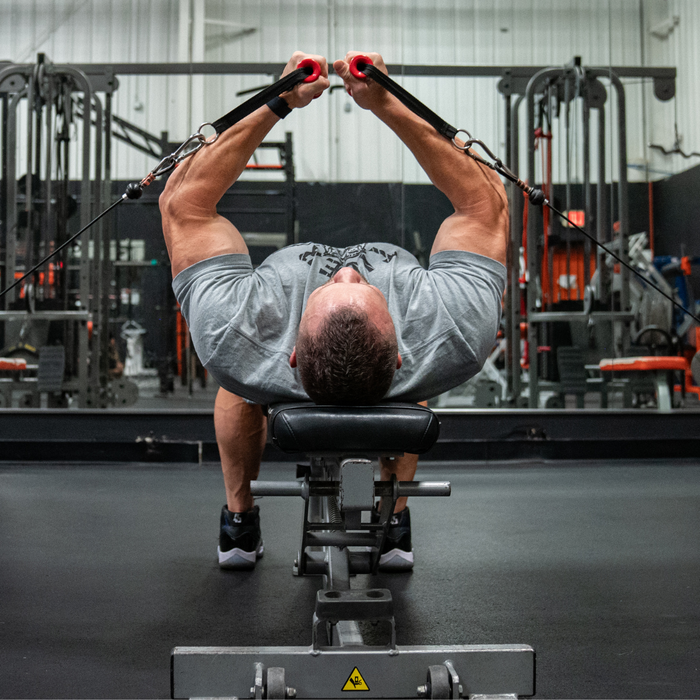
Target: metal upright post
(516,231)
(49,230)
(83,84)
(5,101)
(4,232)
(106,271)
(601,206)
(69,329)
(567,132)
(29,184)
(100,285)
(510,261)
(623,207)
(532,252)
(38,232)
(588,203)
(11,193)
(549,231)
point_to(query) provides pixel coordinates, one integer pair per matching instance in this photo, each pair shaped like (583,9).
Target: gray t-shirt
(244,322)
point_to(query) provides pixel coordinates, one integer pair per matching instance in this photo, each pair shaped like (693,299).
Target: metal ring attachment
(467,144)
(207,141)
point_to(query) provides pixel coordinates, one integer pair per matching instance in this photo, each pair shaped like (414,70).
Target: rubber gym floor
(104,568)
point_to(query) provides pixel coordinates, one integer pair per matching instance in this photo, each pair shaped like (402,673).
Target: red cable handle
(355,70)
(314,65)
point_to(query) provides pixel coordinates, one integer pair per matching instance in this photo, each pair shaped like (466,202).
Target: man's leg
(241,429)
(405,469)
(397,552)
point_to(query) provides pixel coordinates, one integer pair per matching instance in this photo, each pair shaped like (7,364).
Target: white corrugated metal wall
(671,38)
(334,140)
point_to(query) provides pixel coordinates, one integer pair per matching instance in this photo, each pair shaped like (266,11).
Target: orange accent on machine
(690,388)
(577,216)
(627,364)
(13,364)
(571,286)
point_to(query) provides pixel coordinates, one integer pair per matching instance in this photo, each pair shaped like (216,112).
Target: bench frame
(339,491)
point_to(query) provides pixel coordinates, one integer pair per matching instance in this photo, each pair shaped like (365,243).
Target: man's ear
(398,363)
(293,358)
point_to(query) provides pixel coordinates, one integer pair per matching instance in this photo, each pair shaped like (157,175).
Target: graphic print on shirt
(335,258)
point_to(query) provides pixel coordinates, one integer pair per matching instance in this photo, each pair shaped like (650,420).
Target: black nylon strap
(416,106)
(262,98)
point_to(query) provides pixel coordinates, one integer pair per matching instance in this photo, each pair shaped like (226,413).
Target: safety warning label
(355,681)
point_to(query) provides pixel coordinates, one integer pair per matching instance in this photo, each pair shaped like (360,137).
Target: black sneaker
(240,541)
(397,553)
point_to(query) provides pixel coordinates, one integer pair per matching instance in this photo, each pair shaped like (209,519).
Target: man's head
(346,350)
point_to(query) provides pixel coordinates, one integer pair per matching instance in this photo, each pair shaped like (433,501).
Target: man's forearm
(480,221)
(192,229)
(202,180)
(456,175)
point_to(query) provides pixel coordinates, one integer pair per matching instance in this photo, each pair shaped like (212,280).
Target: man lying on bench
(335,325)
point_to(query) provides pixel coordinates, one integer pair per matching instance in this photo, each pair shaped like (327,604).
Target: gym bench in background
(339,539)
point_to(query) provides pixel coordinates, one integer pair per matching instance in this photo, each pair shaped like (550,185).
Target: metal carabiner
(496,164)
(199,139)
(184,150)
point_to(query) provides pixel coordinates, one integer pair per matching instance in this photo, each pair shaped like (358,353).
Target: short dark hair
(348,361)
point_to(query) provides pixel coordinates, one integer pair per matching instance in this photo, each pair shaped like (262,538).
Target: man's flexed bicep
(192,228)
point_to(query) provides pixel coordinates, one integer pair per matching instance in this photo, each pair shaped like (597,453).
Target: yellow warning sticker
(355,681)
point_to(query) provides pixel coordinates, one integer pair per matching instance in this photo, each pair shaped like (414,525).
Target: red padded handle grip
(363,61)
(314,65)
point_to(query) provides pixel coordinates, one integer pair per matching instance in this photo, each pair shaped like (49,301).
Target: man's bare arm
(192,228)
(480,221)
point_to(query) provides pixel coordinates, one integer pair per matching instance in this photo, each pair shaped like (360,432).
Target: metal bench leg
(663,394)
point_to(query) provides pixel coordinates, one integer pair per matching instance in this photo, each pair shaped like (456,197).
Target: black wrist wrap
(279,107)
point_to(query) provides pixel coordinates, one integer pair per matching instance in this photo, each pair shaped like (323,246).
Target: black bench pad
(390,427)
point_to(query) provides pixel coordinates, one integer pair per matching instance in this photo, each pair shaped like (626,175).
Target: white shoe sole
(238,558)
(396,560)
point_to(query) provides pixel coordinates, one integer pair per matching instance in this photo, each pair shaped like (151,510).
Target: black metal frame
(514,80)
(528,85)
(55,435)
(39,84)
